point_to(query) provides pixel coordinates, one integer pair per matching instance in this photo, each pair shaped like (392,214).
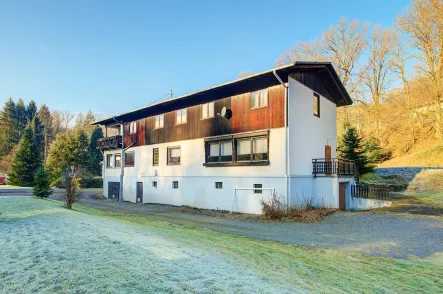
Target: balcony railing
(110,143)
(334,166)
(375,192)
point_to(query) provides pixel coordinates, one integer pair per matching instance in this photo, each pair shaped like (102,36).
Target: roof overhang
(332,85)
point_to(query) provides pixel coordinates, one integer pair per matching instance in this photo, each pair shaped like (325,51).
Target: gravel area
(362,232)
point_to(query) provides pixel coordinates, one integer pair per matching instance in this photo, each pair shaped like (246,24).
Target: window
(259,98)
(173,155)
(316,99)
(155,157)
(133,127)
(154,184)
(258,186)
(220,151)
(218,185)
(159,121)
(129,158)
(174,184)
(252,149)
(109,162)
(208,110)
(181,116)
(118,160)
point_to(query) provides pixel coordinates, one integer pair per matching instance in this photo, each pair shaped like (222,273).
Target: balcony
(110,143)
(334,166)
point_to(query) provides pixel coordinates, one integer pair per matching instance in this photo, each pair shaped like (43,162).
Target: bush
(89,182)
(41,184)
(273,209)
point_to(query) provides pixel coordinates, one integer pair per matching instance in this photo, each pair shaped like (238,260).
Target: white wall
(197,182)
(308,134)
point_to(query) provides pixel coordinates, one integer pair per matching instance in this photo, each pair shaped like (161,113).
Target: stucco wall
(308,134)
(197,182)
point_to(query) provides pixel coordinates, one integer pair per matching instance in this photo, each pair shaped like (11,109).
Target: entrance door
(139,192)
(113,190)
(328,161)
(342,196)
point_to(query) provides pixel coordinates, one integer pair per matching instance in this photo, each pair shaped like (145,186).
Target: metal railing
(334,166)
(366,191)
(109,143)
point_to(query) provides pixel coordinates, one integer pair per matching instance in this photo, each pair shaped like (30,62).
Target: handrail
(114,142)
(334,166)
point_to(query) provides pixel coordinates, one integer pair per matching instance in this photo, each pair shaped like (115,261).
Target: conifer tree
(26,161)
(20,117)
(37,132)
(95,156)
(31,110)
(351,147)
(9,135)
(41,184)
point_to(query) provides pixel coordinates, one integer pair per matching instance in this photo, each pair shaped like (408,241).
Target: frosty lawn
(46,248)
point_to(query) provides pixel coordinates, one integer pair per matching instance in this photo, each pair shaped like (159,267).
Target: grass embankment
(46,248)
(421,155)
(422,190)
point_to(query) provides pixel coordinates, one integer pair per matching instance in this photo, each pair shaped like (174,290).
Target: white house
(231,145)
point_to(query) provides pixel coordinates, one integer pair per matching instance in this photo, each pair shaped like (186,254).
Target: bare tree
(423,21)
(377,76)
(245,74)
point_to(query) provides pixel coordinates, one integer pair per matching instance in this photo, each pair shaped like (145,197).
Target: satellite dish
(226,113)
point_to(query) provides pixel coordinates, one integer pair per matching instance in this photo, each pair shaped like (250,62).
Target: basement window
(154,184)
(258,191)
(218,185)
(159,121)
(259,98)
(208,110)
(181,116)
(174,184)
(316,104)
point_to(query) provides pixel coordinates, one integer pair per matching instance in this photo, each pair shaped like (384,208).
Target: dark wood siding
(243,120)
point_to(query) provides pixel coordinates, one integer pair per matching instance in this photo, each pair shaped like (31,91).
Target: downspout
(122,164)
(286,136)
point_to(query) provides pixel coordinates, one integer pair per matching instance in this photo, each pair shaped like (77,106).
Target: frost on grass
(45,248)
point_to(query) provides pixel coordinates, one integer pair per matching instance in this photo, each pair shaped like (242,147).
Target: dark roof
(320,76)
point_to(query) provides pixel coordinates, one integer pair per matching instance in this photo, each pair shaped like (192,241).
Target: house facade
(232,145)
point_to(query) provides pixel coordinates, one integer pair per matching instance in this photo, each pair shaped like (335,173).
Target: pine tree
(20,117)
(95,156)
(352,148)
(31,110)
(37,132)
(9,135)
(80,149)
(25,162)
(89,119)
(41,184)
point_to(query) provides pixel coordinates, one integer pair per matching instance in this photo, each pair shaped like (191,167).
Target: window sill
(182,123)
(239,163)
(259,107)
(206,118)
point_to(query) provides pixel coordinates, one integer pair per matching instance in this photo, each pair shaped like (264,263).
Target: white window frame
(169,162)
(208,110)
(133,127)
(115,160)
(109,160)
(263,98)
(159,121)
(181,116)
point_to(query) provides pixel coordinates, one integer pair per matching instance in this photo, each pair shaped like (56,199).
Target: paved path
(367,233)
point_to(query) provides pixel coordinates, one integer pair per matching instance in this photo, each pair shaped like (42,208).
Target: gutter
(286,136)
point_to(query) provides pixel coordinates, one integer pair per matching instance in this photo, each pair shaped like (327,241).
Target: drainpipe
(286,137)
(122,164)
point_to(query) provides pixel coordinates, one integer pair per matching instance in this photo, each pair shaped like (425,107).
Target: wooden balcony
(334,166)
(110,143)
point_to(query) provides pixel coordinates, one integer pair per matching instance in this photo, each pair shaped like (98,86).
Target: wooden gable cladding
(245,119)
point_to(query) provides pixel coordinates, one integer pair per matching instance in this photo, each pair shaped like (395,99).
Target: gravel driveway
(362,232)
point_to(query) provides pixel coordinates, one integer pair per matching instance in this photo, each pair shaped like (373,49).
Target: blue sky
(115,56)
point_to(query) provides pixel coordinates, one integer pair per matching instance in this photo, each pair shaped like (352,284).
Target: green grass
(46,248)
